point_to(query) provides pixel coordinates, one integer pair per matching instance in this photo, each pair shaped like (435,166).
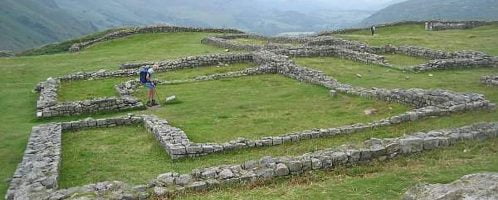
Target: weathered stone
(473,186)
(281,170)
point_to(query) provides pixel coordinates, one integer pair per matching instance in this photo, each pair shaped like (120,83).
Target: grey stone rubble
(490,80)
(447,25)
(473,186)
(227,43)
(193,61)
(456,63)
(48,106)
(148,29)
(357,51)
(36,176)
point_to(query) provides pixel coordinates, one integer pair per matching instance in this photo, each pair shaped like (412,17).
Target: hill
(420,10)
(29,23)
(26,23)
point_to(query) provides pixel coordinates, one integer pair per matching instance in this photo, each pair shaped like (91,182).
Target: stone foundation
(448,25)
(491,80)
(36,176)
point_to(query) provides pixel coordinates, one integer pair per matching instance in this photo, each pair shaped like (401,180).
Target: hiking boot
(148,104)
(153,103)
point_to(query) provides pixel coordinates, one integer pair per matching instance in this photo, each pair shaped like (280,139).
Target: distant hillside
(419,10)
(29,23)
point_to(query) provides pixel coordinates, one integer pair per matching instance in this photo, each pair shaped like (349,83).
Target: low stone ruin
(37,175)
(491,80)
(472,186)
(148,29)
(448,25)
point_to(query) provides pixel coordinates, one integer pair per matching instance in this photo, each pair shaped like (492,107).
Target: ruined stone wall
(36,177)
(149,29)
(193,61)
(447,25)
(456,63)
(491,80)
(48,105)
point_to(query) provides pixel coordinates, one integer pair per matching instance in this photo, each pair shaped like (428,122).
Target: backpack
(143,74)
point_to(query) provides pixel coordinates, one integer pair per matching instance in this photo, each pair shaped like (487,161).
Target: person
(146,79)
(373,30)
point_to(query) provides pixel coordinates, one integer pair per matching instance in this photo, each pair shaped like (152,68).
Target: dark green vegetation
(420,10)
(145,159)
(257,106)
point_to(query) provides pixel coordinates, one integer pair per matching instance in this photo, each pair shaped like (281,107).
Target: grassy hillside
(420,10)
(27,24)
(133,155)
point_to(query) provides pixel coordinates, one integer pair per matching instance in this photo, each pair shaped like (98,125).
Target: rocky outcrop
(472,186)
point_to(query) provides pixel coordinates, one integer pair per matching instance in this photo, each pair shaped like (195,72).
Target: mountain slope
(25,23)
(419,10)
(30,23)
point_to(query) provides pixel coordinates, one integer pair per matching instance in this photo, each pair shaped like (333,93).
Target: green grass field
(402,61)
(88,89)
(264,105)
(276,104)
(478,39)
(21,74)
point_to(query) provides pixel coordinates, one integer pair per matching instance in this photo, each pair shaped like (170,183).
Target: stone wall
(456,63)
(38,173)
(48,105)
(148,29)
(491,80)
(335,51)
(447,25)
(193,61)
(29,183)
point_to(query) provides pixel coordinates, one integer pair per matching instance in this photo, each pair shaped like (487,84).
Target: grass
(202,71)
(250,41)
(387,180)
(21,74)
(257,106)
(88,89)
(85,151)
(403,61)
(460,80)
(479,39)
